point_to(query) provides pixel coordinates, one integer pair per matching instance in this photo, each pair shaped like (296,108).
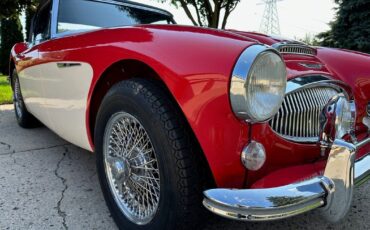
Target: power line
(270,21)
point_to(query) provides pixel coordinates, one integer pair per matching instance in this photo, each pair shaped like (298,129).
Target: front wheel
(148,167)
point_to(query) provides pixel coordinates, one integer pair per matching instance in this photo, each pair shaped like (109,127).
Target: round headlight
(258,84)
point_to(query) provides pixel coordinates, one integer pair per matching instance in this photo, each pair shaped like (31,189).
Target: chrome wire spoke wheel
(18,101)
(131,168)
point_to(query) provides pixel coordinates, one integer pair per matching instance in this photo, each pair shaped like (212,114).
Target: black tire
(24,118)
(182,171)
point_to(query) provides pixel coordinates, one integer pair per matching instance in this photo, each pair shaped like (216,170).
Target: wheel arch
(124,70)
(118,71)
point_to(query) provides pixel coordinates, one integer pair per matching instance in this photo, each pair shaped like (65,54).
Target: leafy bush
(351,29)
(11,33)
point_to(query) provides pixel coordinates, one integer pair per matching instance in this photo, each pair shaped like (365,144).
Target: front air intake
(298,117)
(296,49)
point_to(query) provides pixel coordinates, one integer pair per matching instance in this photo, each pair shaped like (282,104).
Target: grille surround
(295,48)
(298,117)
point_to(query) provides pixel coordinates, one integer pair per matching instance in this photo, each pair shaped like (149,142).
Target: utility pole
(270,21)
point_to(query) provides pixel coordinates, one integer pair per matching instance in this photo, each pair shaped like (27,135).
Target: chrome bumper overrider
(332,192)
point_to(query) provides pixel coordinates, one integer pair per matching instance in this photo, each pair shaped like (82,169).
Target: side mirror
(20,47)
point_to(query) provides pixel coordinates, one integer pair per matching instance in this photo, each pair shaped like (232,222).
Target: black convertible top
(144,6)
(130,3)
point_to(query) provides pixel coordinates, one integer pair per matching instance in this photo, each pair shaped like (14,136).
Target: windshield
(88,15)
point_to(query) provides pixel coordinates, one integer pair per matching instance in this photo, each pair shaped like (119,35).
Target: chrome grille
(297,49)
(298,117)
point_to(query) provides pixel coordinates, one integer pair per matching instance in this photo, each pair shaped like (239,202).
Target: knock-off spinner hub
(120,169)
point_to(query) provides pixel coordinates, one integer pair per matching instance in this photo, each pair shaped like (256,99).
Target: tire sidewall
(135,104)
(15,80)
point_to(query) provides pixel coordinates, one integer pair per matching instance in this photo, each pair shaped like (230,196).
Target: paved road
(46,183)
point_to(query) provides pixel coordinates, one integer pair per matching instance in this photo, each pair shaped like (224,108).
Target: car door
(66,82)
(29,65)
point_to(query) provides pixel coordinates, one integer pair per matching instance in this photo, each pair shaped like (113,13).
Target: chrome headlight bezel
(241,80)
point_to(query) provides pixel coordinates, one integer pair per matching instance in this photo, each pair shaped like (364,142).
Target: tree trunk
(216,16)
(227,14)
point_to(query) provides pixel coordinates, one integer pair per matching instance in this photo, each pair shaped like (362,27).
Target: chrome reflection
(362,170)
(366,122)
(294,48)
(312,81)
(266,204)
(241,80)
(131,168)
(332,192)
(336,120)
(340,170)
(298,118)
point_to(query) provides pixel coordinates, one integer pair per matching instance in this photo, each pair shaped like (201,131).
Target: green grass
(5,91)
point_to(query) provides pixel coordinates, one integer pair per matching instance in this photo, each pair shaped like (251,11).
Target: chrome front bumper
(331,192)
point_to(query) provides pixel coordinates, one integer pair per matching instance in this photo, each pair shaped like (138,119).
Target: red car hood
(263,38)
(352,68)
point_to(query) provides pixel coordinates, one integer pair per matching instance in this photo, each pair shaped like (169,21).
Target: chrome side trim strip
(67,65)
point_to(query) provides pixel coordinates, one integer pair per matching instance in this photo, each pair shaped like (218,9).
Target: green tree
(30,11)
(11,29)
(209,13)
(10,8)
(11,33)
(351,28)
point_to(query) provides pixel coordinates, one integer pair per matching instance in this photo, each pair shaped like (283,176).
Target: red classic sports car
(253,127)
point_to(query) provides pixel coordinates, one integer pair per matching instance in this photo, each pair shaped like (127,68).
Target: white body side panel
(57,96)
(30,81)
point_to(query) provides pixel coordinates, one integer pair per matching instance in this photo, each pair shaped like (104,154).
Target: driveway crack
(61,213)
(12,156)
(31,150)
(6,145)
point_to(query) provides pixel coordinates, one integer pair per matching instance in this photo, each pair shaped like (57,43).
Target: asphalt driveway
(47,183)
